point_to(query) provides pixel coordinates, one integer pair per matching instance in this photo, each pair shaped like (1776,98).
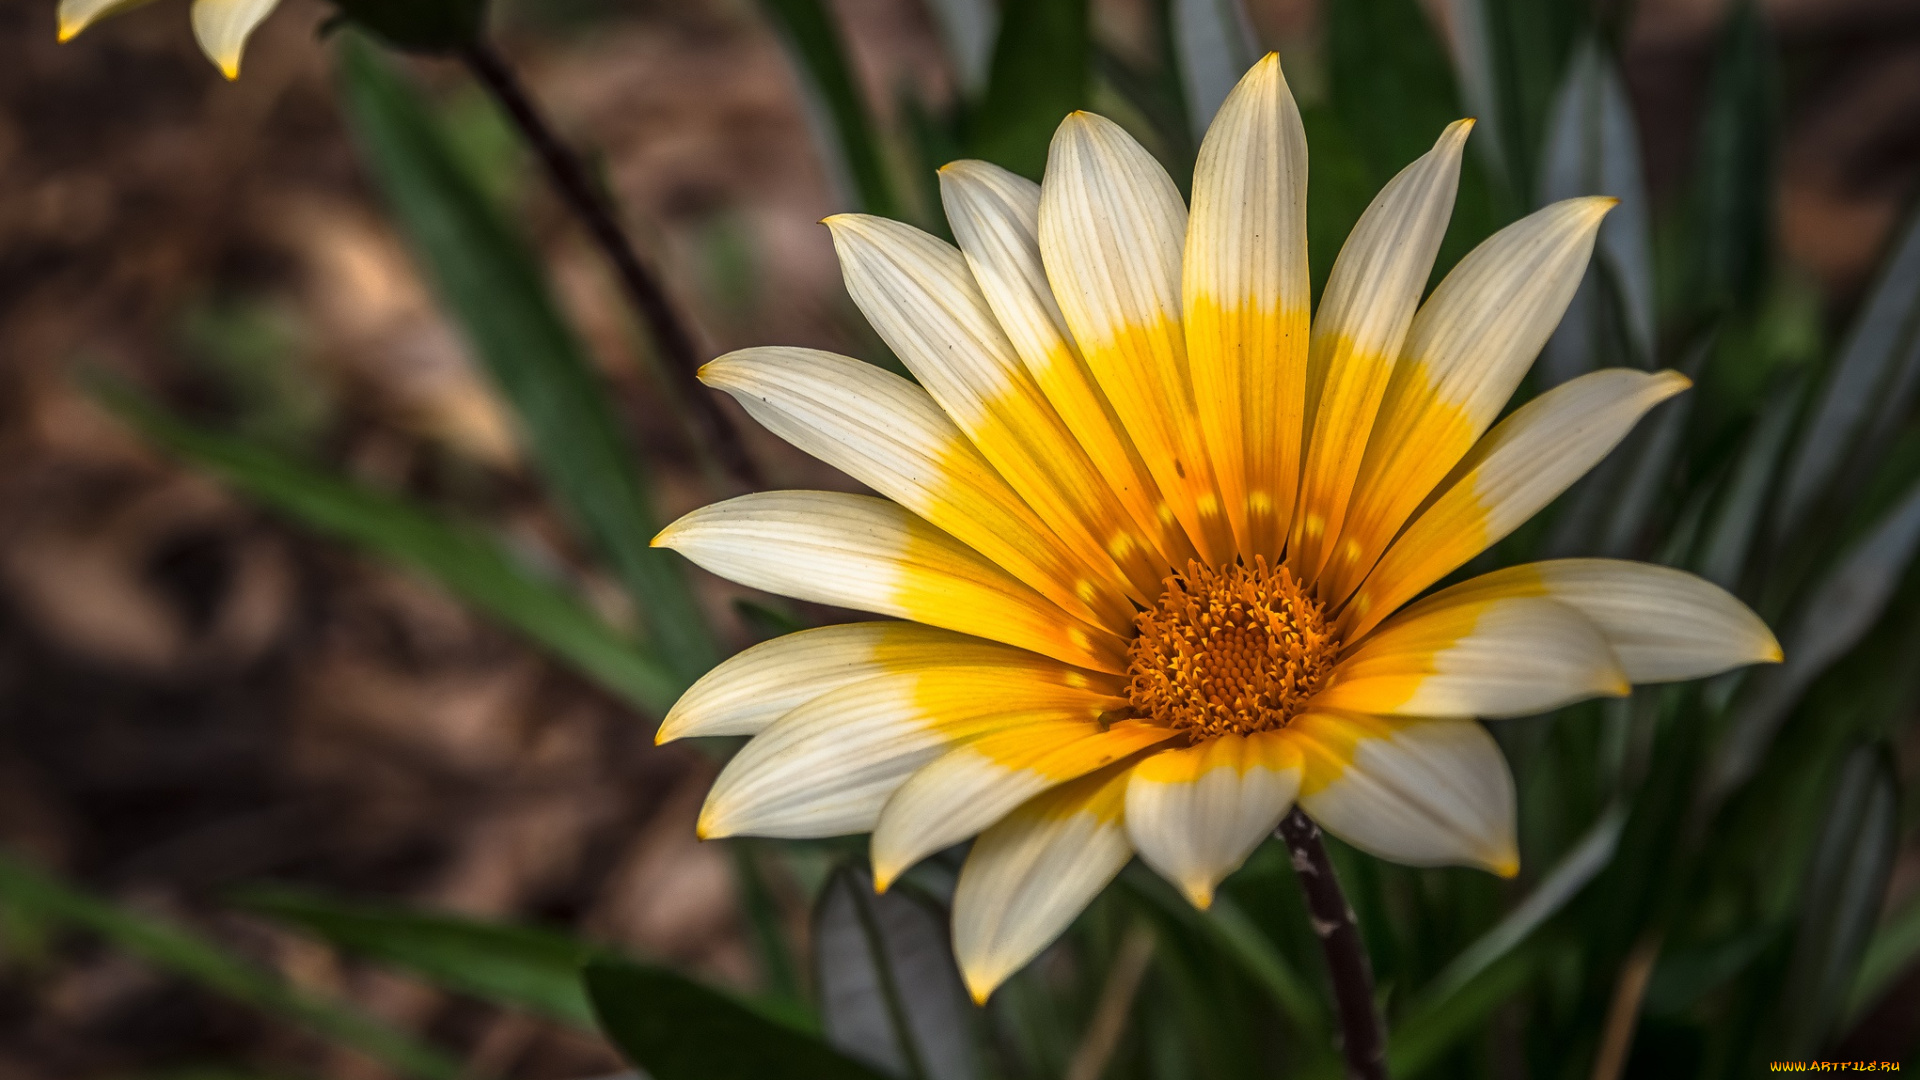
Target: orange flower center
(1231,650)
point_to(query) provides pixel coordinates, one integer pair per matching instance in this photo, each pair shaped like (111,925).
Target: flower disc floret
(1232,650)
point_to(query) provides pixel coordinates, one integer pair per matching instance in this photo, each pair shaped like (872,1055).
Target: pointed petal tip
(1199,894)
(1506,865)
(980,989)
(70,30)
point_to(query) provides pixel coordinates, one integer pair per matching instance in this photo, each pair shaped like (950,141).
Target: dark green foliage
(494,288)
(1041,64)
(420,25)
(677,1029)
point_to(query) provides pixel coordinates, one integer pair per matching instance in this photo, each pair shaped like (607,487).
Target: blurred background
(197,695)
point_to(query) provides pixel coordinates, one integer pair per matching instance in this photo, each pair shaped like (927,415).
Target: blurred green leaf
(199,961)
(1737,519)
(1041,66)
(464,561)
(1593,148)
(1845,888)
(1734,200)
(1236,938)
(890,993)
(1891,951)
(1423,1036)
(1215,45)
(1392,84)
(1564,882)
(1840,609)
(1510,54)
(677,1029)
(1393,91)
(421,25)
(813,38)
(519,966)
(969,28)
(1876,370)
(491,284)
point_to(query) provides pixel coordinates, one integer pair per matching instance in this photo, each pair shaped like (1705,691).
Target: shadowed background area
(195,695)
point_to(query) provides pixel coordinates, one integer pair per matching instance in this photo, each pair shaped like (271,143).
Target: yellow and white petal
(868,554)
(223,26)
(995,215)
(976,784)
(828,767)
(1031,874)
(1665,625)
(1358,331)
(1196,813)
(755,687)
(1112,229)
(77,15)
(1420,792)
(1510,474)
(889,434)
(922,300)
(1469,346)
(1452,655)
(1248,300)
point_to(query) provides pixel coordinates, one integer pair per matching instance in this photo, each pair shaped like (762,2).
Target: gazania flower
(1154,534)
(221,26)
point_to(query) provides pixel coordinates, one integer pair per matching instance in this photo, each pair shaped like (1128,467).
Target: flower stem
(1363,1038)
(679,356)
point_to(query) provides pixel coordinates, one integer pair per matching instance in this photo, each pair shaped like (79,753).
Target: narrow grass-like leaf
(518,966)
(890,993)
(1578,867)
(1422,1037)
(1738,519)
(463,560)
(677,1029)
(969,28)
(1236,937)
(813,38)
(1593,148)
(1215,46)
(1890,953)
(1845,887)
(489,282)
(1733,202)
(1839,611)
(197,960)
(1882,346)
(1041,66)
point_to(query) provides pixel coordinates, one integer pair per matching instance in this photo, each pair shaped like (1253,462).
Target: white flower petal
(1028,876)
(1195,814)
(871,555)
(1467,350)
(1358,331)
(828,767)
(1111,232)
(889,434)
(1665,625)
(1453,655)
(1512,472)
(975,785)
(223,26)
(1247,303)
(1420,792)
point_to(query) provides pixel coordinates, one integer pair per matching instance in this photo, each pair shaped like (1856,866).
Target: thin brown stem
(680,357)
(1363,1038)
